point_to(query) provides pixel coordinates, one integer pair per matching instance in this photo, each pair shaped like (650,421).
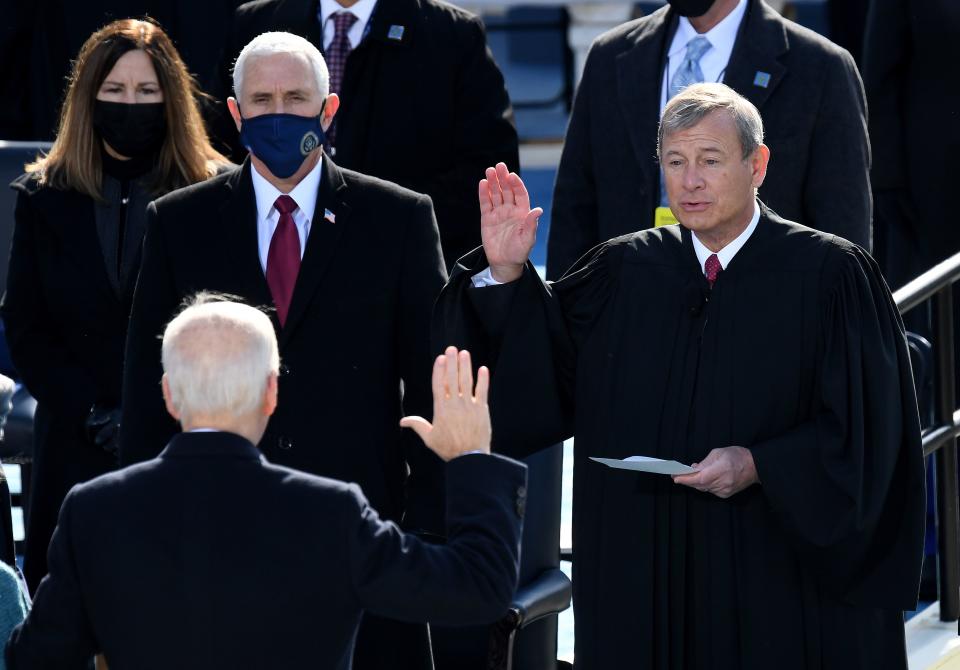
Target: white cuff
(484,278)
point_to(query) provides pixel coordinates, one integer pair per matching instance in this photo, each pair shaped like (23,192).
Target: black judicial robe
(797,353)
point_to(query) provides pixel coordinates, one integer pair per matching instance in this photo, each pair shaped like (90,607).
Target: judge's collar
(726,254)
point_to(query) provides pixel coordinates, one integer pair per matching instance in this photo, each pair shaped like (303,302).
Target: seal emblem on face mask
(309,142)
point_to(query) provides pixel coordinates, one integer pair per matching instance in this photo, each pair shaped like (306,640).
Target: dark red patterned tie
(712,269)
(336,57)
(283,259)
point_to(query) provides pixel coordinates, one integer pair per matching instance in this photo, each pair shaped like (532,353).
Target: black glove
(103,428)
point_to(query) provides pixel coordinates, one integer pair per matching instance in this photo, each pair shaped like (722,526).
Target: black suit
(218,559)
(428,111)
(358,324)
(66,323)
(914,131)
(813,112)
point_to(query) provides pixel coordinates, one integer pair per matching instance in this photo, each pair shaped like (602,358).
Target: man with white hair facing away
(352,265)
(219,559)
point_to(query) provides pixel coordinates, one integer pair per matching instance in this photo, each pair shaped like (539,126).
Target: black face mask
(130,130)
(691,8)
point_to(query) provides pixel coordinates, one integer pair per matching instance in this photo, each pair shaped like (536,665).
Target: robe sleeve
(528,333)
(847,484)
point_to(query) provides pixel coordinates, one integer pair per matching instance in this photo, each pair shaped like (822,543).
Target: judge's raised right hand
(508,227)
(461,418)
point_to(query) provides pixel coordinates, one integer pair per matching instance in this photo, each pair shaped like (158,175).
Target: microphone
(695,299)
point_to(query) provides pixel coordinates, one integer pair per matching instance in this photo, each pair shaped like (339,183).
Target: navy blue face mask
(282,141)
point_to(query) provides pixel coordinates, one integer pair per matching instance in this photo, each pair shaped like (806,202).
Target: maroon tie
(336,57)
(283,259)
(712,269)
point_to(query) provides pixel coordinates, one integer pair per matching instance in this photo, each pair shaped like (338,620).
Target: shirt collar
(304,193)
(362,10)
(726,254)
(724,33)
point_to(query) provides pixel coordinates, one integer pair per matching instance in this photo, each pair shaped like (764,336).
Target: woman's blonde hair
(74,160)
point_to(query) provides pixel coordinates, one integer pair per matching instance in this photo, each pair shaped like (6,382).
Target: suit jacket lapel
(321,244)
(755,69)
(394,23)
(639,73)
(238,216)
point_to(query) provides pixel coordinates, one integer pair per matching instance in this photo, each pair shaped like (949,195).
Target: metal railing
(940,439)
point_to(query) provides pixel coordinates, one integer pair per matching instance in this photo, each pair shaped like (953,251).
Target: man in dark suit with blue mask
(433,134)
(220,559)
(352,265)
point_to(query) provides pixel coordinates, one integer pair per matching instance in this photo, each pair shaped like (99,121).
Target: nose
(691,177)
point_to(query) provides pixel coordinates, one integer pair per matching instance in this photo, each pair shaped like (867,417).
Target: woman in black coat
(130,131)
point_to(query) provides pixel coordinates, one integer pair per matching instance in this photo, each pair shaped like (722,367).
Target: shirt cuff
(484,278)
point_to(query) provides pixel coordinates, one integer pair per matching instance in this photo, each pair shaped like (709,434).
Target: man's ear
(759,162)
(270,395)
(330,107)
(234,108)
(168,398)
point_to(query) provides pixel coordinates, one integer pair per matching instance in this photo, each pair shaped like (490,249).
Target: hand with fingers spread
(461,418)
(723,472)
(508,227)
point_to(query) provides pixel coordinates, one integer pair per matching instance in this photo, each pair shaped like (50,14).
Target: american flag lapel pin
(329,216)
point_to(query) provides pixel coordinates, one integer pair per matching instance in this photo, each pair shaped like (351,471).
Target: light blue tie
(688,73)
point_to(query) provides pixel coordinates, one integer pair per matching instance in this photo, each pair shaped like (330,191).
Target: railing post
(948,557)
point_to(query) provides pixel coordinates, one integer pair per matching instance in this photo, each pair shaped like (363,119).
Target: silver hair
(692,104)
(218,356)
(269,44)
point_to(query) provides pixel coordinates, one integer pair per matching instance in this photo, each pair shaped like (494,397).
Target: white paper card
(646,464)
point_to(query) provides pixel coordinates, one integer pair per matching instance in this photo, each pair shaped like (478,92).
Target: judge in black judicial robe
(796,353)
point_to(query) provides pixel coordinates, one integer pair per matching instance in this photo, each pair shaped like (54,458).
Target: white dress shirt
(362,10)
(726,254)
(714,61)
(304,194)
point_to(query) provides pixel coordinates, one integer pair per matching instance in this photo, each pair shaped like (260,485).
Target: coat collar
(322,245)
(755,68)
(394,22)
(211,444)
(238,221)
(639,75)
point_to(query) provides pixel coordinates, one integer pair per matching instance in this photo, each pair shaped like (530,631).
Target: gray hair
(269,44)
(218,356)
(692,104)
